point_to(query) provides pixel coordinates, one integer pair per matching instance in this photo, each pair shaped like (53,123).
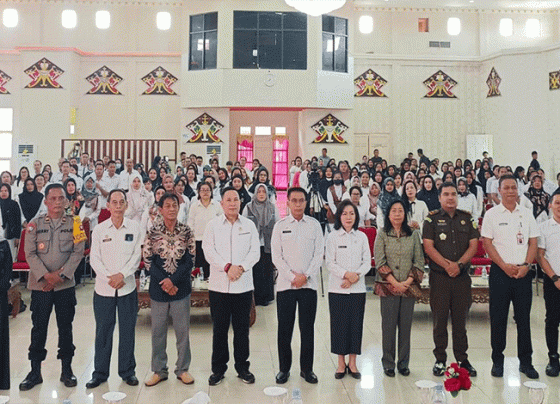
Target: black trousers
(552,319)
(105,310)
(263,279)
(227,308)
(347,322)
(5,276)
(504,290)
(200,260)
(306,302)
(64,302)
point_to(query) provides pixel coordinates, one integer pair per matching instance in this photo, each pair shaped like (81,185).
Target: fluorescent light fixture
(10,17)
(365,23)
(6,119)
(533,28)
(263,131)
(163,20)
(506,27)
(315,7)
(454,26)
(102,19)
(69,19)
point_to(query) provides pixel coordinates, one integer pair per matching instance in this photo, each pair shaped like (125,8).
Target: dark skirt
(347,322)
(263,279)
(200,260)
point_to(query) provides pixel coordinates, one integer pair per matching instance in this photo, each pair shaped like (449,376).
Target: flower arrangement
(457,379)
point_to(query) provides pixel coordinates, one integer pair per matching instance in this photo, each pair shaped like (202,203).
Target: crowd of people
(223,222)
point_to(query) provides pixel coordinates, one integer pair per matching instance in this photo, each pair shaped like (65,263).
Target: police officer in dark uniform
(450,241)
(53,256)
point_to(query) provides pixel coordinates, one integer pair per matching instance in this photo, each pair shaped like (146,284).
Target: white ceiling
(477,4)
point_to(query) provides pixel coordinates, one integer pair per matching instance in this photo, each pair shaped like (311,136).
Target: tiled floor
(374,387)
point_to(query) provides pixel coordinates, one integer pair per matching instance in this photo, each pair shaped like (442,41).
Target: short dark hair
(297,189)
(114,191)
(534,152)
(229,188)
(338,214)
(54,186)
(353,188)
(419,151)
(111,162)
(388,225)
(166,196)
(202,184)
(557,192)
(99,164)
(447,184)
(506,177)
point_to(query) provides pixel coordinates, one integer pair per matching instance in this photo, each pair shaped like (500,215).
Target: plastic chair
(481,260)
(371,233)
(21,262)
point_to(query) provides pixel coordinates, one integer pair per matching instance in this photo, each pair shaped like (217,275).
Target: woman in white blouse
(348,259)
(466,200)
(356,196)
(416,210)
(138,200)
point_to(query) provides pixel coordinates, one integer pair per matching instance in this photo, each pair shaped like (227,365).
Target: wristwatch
(555,278)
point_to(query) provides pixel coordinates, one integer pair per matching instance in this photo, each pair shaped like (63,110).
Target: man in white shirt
(37,167)
(492,184)
(231,246)
(548,255)
(510,234)
(115,256)
(128,174)
(297,252)
(83,167)
(108,182)
(64,174)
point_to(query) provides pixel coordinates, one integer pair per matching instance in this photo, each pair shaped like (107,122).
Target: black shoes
(404,371)
(94,382)
(389,372)
(309,377)
(356,375)
(69,379)
(467,365)
(529,371)
(215,379)
(247,377)
(497,370)
(31,381)
(438,369)
(553,367)
(282,377)
(131,381)
(340,375)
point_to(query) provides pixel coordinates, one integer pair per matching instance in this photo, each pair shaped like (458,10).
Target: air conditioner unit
(26,155)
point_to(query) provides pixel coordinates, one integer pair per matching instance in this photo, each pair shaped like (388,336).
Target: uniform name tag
(66,230)
(342,246)
(242,234)
(42,231)
(129,237)
(286,231)
(107,239)
(502,224)
(442,224)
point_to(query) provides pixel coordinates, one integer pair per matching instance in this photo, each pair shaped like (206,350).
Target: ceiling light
(10,17)
(533,28)
(102,19)
(69,19)
(365,23)
(506,27)
(315,7)
(163,20)
(454,26)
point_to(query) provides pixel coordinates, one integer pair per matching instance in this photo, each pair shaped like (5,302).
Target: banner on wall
(104,81)
(329,130)
(369,84)
(440,86)
(554,80)
(4,78)
(493,83)
(44,74)
(159,82)
(204,129)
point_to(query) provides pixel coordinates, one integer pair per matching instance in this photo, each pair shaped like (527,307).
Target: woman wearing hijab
(536,199)
(5,277)
(244,197)
(373,196)
(482,174)
(429,193)
(30,201)
(154,177)
(264,214)
(223,178)
(89,211)
(75,199)
(138,201)
(262,177)
(326,182)
(476,190)
(388,195)
(11,217)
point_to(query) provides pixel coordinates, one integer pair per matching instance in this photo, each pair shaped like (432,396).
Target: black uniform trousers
(200,260)
(5,276)
(105,309)
(504,290)
(552,318)
(64,302)
(234,308)
(306,301)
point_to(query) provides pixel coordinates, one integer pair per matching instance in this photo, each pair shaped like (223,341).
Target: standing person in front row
(297,252)
(53,257)
(400,262)
(450,240)
(510,234)
(349,259)
(5,277)
(116,249)
(168,255)
(231,245)
(548,256)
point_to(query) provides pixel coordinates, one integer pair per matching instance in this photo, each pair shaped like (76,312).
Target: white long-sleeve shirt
(237,244)
(200,216)
(297,248)
(347,252)
(116,250)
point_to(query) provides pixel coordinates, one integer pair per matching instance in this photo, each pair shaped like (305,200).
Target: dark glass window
(269,40)
(203,52)
(335,44)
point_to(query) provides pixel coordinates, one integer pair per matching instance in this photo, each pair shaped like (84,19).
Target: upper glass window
(335,44)
(203,41)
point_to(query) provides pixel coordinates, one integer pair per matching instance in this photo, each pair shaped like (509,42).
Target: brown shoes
(186,378)
(155,379)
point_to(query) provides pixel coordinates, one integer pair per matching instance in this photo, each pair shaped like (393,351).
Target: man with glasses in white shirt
(297,252)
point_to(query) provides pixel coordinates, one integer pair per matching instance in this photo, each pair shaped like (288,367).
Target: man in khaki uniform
(53,257)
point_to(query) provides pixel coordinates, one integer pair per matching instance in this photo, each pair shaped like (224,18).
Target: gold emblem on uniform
(41,246)
(443,236)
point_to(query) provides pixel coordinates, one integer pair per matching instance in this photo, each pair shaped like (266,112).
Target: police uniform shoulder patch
(428,219)
(434,212)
